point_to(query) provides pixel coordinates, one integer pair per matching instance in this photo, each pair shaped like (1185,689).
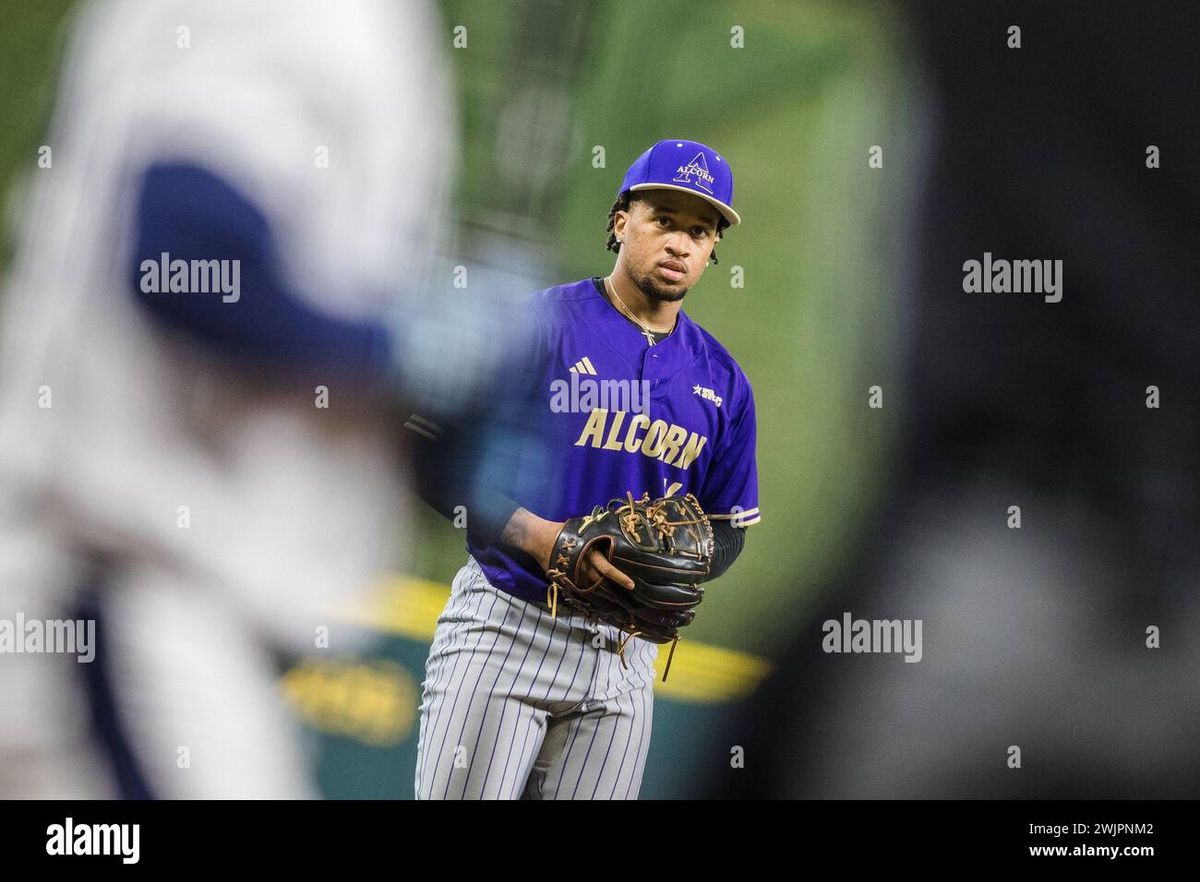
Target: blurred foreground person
(225,278)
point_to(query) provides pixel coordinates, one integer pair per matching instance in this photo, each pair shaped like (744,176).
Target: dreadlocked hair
(623,203)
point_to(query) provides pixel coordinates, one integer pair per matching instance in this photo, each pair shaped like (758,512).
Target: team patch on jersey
(657,439)
(707,394)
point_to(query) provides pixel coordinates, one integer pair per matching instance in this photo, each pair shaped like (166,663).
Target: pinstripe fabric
(519,705)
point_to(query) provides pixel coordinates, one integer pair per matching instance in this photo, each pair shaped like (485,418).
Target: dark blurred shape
(1034,637)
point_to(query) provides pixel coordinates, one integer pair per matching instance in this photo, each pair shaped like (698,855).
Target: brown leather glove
(664,545)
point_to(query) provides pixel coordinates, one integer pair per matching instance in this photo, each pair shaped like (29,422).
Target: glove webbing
(552,602)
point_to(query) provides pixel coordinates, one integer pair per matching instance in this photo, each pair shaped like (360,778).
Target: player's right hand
(596,566)
(537,537)
(592,568)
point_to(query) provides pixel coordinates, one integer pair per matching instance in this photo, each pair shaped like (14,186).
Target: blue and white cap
(688,166)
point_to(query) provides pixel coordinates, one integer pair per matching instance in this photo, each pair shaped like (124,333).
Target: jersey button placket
(652,367)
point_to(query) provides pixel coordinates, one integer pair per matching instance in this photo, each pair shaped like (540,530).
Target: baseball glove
(664,545)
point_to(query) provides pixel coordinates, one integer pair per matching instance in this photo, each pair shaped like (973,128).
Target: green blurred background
(795,110)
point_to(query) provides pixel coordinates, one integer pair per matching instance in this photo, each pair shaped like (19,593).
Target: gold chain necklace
(647,331)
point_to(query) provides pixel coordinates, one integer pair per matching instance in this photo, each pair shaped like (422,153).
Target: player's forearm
(487,512)
(531,534)
(728,542)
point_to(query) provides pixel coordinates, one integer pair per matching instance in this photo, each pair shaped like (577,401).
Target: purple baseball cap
(688,166)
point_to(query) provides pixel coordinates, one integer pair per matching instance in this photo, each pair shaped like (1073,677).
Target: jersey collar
(683,324)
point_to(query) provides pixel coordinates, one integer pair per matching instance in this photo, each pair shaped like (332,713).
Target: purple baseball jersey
(614,415)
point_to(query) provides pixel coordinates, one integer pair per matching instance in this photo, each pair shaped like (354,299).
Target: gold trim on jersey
(746,518)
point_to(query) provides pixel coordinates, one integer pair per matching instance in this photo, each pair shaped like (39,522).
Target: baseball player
(521,700)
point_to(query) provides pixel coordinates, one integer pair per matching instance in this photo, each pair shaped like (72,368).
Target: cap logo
(695,173)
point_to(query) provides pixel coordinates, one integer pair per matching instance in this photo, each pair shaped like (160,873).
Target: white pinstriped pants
(519,705)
